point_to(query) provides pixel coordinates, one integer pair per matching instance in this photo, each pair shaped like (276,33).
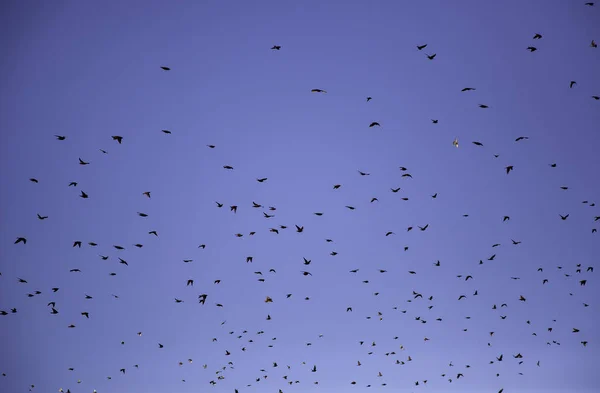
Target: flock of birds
(401,356)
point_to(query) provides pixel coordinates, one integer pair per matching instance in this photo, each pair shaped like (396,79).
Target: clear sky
(91,70)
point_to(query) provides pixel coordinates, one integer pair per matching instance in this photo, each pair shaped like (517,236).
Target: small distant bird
(508,169)
(165,68)
(593,44)
(62,137)
(431,57)
(573,83)
(21,240)
(421,47)
(318,91)
(276,47)
(117,138)
(369,99)
(33,180)
(455,142)
(166,132)
(521,138)
(537,36)
(531,48)
(373,124)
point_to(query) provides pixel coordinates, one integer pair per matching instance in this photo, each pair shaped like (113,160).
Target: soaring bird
(276,47)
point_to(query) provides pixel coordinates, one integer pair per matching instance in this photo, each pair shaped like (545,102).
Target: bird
(318,91)
(468,89)
(421,47)
(531,48)
(374,124)
(165,68)
(276,47)
(117,138)
(537,36)
(571,84)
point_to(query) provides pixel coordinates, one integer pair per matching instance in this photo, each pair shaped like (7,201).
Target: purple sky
(91,70)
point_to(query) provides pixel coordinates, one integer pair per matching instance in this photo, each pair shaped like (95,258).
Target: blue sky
(89,70)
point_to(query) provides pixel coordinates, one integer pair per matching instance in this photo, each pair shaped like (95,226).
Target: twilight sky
(91,70)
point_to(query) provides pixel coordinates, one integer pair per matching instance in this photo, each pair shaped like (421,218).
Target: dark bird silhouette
(373,124)
(276,47)
(537,36)
(531,48)
(165,68)
(117,138)
(421,47)
(318,91)
(431,57)
(21,240)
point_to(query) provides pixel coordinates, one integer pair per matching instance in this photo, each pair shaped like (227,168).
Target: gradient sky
(90,70)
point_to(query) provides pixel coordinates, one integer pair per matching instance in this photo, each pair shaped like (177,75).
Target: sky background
(90,70)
